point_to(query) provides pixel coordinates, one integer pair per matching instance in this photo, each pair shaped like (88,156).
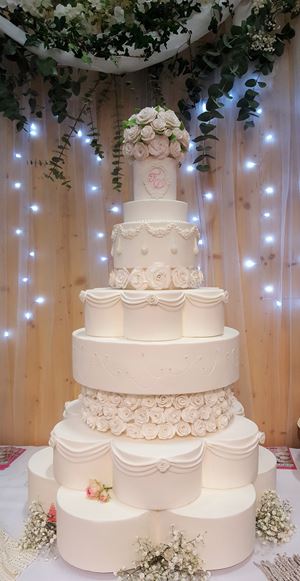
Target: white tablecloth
(13,491)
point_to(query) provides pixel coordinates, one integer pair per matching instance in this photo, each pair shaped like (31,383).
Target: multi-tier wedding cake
(157,419)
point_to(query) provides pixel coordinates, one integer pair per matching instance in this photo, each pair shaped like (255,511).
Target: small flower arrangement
(98,491)
(40,528)
(273,519)
(156,132)
(177,560)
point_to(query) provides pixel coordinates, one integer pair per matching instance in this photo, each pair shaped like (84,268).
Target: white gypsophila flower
(140,151)
(146,116)
(261,41)
(273,518)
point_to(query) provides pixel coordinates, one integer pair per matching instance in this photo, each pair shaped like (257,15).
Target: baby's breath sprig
(176,560)
(273,519)
(40,528)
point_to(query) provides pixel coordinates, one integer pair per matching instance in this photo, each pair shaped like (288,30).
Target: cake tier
(101,537)
(161,416)
(155,179)
(156,367)
(155,210)
(154,315)
(42,486)
(226,518)
(143,244)
(266,478)
(155,474)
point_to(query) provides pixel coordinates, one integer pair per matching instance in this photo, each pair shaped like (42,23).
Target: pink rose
(127,149)
(159,124)
(175,149)
(140,151)
(147,134)
(159,147)
(132,134)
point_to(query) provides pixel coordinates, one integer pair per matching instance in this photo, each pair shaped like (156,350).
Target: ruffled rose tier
(161,416)
(157,276)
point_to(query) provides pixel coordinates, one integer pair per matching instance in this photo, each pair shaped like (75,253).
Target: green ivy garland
(248,50)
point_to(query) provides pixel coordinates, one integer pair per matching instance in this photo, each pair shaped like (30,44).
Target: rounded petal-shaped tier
(42,486)
(266,477)
(99,536)
(169,367)
(226,518)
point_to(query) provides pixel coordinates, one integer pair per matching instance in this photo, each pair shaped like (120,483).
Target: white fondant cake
(156,417)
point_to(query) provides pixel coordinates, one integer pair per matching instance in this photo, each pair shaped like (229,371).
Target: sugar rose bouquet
(155,132)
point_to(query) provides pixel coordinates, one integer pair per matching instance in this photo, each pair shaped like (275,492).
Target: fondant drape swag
(249,245)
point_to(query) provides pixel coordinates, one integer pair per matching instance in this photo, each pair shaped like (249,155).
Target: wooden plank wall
(35,361)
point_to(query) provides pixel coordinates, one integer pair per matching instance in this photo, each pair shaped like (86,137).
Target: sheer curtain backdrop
(55,242)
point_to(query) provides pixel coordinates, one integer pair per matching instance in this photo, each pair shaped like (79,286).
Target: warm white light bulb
(269,288)
(28,315)
(208,195)
(259,110)
(190,168)
(33,130)
(100,234)
(32,253)
(115,209)
(88,140)
(39,300)
(18,231)
(200,242)
(269,238)
(249,164)
(269,190)
(203,107)
(191,145)
(34,208)
(17,185)
(249,263)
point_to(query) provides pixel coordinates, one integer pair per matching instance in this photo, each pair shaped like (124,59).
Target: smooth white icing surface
(154,315)
(99,536)
(266,477)
(41,483)
(142,244)
(155,179)
(155,210)
(225,517)
(141,367)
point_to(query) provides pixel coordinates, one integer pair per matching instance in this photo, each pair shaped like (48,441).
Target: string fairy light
(269,190)
(34,208)
(266,214)
(190,168)
(40,300)
(18,231)
(6,334)
(17,185)
(28,315)
(32,253)
(249,164)
(33,131)
(249,263)
(18,155)
(269,138)
(103,258)
(269,238)
(115,209)
(208,196)
(100,234)
(269,288)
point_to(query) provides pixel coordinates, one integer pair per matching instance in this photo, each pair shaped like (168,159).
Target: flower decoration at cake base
(178,559)
(98,491)
(40,528)
(273,519)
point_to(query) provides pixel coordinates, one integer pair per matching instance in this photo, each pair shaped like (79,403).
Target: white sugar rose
(178,133)
(146,116)
(148,401)
(183,429)
(157,415)
(112,279)
(159,124)
(164,401)
(84,415)
(159,147)
(197,400)
(140,151)
(158,276)
(137,279)
(211,425)
(134,431)
(172,415)
(211,398)
(222,422)
(109,411)
(185,139)
(175,149)
(198,428)
(171,119)
(224,405)
(166,431)
(190,414)
(91,421)
(117,427)
(222,394)
(131,402)
(141,416)
(102,397)
(125,414)
(168,132)
(180,277)
(147,133)
(150,431)
(102,425)
(114,398)
(95,407)
(204,412)
(181,401)
(127,149)
(217,411)
(132,134)
(121,277)
(196,278)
